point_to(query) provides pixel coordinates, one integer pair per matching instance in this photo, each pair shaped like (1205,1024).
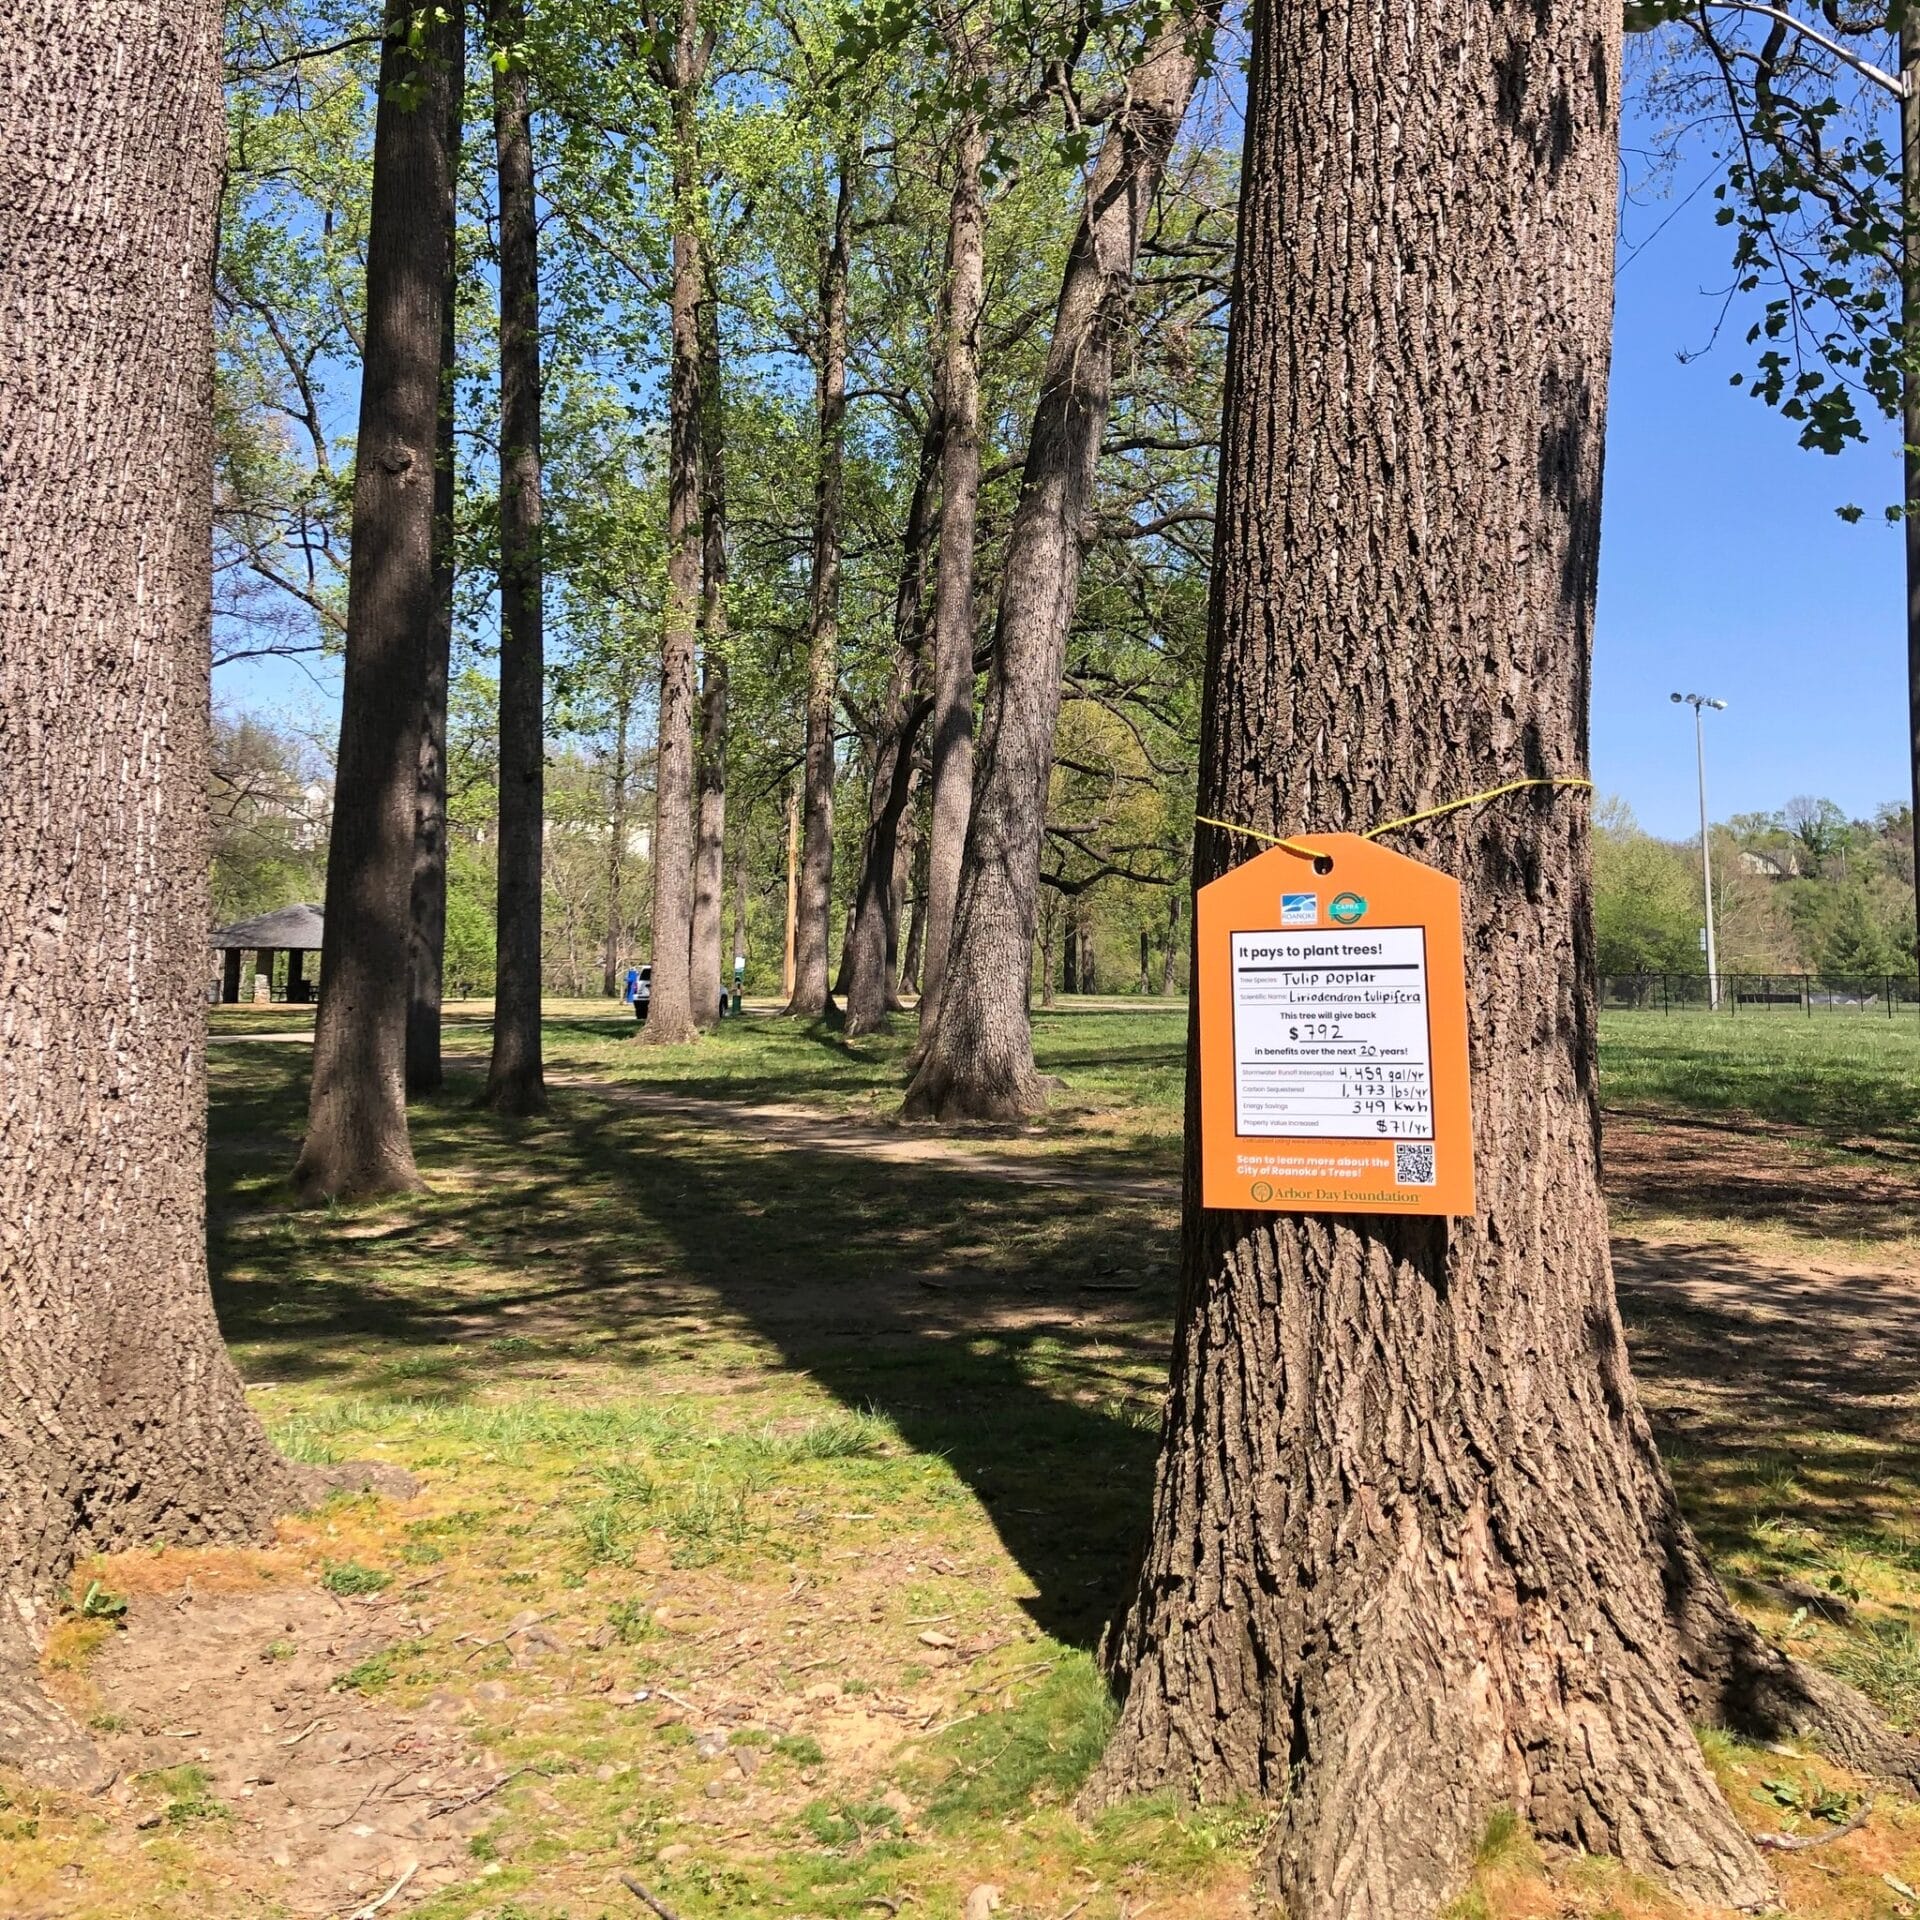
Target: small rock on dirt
(982,1901)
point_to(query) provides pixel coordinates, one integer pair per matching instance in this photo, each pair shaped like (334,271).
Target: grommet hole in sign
(1322,863)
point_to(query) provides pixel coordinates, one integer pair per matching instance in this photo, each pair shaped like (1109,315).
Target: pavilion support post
(230,976)
(296,975)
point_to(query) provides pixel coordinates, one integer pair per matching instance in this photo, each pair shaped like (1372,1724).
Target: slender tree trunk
(710,842)
(617,849)
(670,1013)
(357,1142)
(978,1062)
(962,301)
(1175,897)
(1070,971)
(810,995)
(427,942)
(1413,1555)
(870,947)
(122,1421)
(911,955)
(900,892)
(793,892)
(515,1081)
(1146,954)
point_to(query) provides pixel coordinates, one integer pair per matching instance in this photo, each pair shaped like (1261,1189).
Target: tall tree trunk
(962,302)
(357,1142)
(814,929)
(427,939)
(1146,955)
(122,1421)
(912,953)
(900,892)
(710,836)
(670,1012)
(1413,1553)
(515,1081)
(977,1063)
(793,892)
(1175,896)
(870,948)
(610,974)
(1070,965)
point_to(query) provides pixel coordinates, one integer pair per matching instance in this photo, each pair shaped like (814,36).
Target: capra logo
(1299,909)
(1347,908)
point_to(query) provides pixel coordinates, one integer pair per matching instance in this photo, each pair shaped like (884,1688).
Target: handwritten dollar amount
(1316,1030)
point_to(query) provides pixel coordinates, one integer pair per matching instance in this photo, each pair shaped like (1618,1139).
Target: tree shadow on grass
(1020,1333)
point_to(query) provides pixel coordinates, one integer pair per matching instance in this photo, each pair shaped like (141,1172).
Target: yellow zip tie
(1406,820)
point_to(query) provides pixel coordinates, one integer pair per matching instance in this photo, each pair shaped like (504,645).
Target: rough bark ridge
(516,1082)
(977,1059)
(427,939)
(710,773)
(1413,1555)
(121,1418)
(813,929)
(356,1140)
(670,1014)
(950,752)
(873,946)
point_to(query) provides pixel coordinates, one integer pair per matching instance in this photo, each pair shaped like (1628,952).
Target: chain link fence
(1765,995)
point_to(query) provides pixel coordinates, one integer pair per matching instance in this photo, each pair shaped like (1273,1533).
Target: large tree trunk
(950,760)
(670,1013)
(356,1142)
(813,930)
(871,947)
(122,1421)
(1412,1548)
(710,833)
(427,939)
(515,1081)
(977,1061)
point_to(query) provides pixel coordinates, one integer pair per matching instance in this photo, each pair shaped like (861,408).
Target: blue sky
(1724,568)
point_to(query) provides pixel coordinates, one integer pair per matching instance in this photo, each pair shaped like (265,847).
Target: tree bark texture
(1413,1555)
(515,1080)
(427,940)
(873,942)
(977,1062)
(710,827)
(670,1014)
(121,1419)
(813,930)
(357,1142)
(950,754)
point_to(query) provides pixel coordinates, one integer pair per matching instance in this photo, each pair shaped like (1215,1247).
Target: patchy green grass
(1839,1076)
(845,1461)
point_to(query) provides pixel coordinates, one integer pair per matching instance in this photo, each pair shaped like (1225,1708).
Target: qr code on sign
(1412,1164)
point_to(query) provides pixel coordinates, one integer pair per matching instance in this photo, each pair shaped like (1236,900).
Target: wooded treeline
(823,367)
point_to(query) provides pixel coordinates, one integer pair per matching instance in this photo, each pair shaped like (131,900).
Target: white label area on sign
(1330,1035)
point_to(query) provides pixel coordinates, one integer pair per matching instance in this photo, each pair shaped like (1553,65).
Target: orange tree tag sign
(1333,1034)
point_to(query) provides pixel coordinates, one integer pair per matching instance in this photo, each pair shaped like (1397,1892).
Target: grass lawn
(773,1493)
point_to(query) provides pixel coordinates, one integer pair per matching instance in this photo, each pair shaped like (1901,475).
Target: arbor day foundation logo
(1346,908)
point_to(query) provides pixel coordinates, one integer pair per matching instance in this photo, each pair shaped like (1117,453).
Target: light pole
(1699,703)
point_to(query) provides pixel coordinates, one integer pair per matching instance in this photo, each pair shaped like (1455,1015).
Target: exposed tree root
(1732,1677)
